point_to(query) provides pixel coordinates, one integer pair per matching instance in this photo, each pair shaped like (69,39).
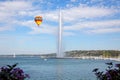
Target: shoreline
(84,57)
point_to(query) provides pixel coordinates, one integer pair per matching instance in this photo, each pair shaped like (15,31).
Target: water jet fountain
(60,53)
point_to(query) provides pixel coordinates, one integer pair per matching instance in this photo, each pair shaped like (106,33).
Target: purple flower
(5,69)
(17,70)
(19,74)
(110,74)
(117,65)
(12,73)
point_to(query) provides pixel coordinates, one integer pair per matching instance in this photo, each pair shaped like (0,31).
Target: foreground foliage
(10,72)
(111,73)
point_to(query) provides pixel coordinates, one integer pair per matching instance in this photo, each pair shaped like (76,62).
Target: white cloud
(14,5)
(76,13)
(4,28)
(73,0)
(96,26)
(67,33)
(104,30)
(116,39)
(72,14)
(12,11)
(9,13)
(43,28)
(51,16)
(9,9)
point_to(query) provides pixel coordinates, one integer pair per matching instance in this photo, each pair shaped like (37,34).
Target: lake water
(56,69)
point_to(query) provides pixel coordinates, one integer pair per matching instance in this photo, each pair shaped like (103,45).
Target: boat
(14,55)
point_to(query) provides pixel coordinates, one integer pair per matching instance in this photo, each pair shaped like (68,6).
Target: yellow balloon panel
(38,22)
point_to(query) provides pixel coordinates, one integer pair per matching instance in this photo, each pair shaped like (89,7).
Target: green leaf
(15,65)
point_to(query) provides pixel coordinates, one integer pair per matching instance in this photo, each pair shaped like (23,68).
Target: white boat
(14,55)
(45,59)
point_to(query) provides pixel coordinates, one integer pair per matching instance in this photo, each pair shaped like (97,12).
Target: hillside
(97,53)
(94,53)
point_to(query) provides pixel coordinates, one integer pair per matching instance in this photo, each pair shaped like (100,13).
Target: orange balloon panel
(38,20)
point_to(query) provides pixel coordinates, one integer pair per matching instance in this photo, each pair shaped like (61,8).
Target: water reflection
(59,70)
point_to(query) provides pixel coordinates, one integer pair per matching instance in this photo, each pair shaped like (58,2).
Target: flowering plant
(111,73)
(12,73)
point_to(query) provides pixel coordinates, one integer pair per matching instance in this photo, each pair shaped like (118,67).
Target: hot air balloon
(38,20)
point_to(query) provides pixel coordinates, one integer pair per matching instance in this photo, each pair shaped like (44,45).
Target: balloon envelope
(38,20)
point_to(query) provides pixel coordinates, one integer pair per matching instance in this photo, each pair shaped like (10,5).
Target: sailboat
(14,55)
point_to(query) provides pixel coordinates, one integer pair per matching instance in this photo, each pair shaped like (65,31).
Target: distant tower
(60,53)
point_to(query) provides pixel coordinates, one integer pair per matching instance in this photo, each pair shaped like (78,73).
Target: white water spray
(60,53)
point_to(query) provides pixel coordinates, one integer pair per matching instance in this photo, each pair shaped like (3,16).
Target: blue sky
(87,25)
